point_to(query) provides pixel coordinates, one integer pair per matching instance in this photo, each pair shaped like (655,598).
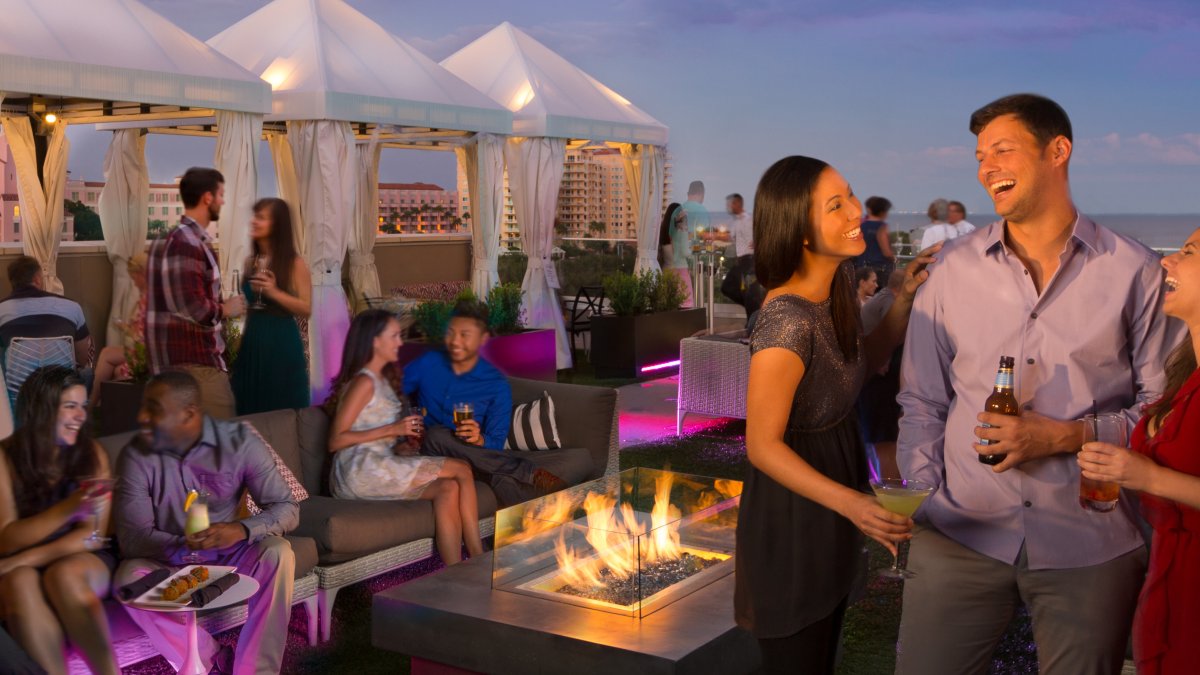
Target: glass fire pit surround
(630,543)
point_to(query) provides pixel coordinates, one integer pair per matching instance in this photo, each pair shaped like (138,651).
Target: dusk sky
(880,89)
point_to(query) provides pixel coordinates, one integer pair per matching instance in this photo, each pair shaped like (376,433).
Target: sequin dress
(373,470)
(796,560)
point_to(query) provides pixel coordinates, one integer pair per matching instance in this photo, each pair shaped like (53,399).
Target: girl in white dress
(370,435)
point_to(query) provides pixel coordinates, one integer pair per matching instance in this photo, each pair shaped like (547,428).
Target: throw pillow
(533,426)
(299,493)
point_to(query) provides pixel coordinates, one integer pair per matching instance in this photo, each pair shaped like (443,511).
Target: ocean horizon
(1156,230)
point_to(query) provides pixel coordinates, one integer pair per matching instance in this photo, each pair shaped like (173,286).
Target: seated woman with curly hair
(54,498)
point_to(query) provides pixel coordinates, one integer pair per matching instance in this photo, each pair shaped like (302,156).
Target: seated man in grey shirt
(180,449)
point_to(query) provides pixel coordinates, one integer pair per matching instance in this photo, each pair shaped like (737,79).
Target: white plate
(153,597)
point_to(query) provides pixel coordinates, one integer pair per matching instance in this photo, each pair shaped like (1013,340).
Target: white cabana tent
(337,78)
(554,103)
(119,63)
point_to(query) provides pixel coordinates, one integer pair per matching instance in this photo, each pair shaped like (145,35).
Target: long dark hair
(1180,366)
(30,449)
(783,222)
(360,347)
(664,229)
(283,246)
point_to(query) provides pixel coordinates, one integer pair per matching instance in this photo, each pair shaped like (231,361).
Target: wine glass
(260,268)
(237,284)
(902,497)
(196,519)
(98,493)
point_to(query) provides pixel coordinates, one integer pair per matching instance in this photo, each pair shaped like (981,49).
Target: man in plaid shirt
(184,310)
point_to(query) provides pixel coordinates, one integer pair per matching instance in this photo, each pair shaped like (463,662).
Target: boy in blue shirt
(439,380)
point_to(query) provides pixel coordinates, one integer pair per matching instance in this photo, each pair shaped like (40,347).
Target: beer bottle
(1001,401)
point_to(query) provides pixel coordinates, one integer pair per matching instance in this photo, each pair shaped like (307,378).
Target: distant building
(419,208)
(165,203)
(10,207)
(593,199)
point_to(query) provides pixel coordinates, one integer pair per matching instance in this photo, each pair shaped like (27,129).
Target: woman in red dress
(1164,467)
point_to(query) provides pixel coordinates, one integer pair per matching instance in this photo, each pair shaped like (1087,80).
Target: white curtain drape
(644,166)
(288,186)
(238,135)
(535,171)
(364,277)
(323,152)
(481,159)
(123,203)
(41,205)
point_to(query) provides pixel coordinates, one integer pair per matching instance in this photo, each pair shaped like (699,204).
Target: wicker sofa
(341,542)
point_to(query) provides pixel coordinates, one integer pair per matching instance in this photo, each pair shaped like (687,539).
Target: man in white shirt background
(742,225)
(957,216)
(939,229)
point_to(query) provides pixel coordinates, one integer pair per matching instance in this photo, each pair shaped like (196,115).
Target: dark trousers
(511,477)
(812,650)
(14,660)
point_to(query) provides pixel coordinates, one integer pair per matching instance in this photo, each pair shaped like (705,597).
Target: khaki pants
(689,297)
(957,608)
(216,395)
(260,645)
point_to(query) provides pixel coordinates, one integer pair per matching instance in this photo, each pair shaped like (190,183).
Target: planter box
(119,404)
(623,345)
(529,355)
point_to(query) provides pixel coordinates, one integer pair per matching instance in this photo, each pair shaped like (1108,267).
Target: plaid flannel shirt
(183,314)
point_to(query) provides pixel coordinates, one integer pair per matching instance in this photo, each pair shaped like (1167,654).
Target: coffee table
(455,619)
(240,592)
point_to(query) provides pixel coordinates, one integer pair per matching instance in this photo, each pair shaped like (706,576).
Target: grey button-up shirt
(1096,332)
(152,487)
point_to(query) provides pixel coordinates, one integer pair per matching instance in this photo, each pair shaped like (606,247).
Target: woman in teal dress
(271,372)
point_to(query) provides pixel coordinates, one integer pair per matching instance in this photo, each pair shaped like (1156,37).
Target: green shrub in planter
(647,292)
(625,293)
(432,317)
(665,291)
(504,309)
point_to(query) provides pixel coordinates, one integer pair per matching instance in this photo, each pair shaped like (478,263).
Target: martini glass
(902,497)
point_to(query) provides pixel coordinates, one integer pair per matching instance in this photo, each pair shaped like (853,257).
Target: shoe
(546,482)
(223,661)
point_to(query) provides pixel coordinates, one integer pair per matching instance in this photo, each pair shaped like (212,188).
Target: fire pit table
(629,573)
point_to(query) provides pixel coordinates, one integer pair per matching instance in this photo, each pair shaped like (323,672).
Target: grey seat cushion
(305,550)
(348,528)
(585,417)
(572,465)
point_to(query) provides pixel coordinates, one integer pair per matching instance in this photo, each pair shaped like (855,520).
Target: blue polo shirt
(437,388)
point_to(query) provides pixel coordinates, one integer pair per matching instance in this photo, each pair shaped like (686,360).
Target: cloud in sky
(1139,149)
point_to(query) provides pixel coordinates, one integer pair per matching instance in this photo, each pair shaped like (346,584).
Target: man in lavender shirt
(1078,306)
(181,448)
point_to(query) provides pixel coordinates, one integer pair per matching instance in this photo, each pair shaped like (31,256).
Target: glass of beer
(1095,495)
(463,412)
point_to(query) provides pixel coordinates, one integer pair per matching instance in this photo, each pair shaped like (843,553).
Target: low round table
(240,592)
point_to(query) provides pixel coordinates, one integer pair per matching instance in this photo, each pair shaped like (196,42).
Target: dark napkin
(136,588)
(214,590)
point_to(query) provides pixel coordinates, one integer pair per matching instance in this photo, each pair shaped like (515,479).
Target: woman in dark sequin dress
(806,501)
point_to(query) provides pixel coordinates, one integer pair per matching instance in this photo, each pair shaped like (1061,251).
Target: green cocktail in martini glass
(902,497)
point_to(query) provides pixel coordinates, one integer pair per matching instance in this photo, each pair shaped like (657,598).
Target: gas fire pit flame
(613,535)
